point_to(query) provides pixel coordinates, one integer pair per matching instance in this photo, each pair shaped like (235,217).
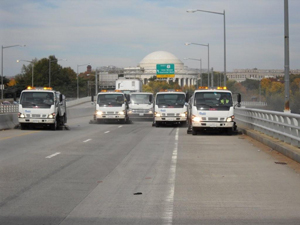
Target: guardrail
(282,126)
(8,108)
(250,103)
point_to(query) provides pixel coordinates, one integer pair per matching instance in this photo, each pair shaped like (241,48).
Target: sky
(122,32)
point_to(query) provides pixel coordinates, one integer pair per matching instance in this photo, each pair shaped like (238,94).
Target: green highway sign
(165,70)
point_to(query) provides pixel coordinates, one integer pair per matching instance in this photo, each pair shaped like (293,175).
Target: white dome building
(147,69)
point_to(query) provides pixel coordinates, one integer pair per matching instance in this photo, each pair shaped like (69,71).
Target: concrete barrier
(8,121)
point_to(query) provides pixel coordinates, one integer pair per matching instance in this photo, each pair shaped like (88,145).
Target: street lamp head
(191,11)
(18,60)
(187,43)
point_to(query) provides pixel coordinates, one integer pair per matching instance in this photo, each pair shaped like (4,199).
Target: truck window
(139,99)
(110,99)
(170,100)
(37,99)
(213,99)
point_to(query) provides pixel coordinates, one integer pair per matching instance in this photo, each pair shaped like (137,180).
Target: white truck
(129,85)
(42,107)
(170,107)
(140,105)
(211,108)
(111,106)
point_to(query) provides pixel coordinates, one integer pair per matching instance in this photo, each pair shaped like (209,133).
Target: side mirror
(187,97)
(127,96)
(150,98)
(60,97)
(92,98)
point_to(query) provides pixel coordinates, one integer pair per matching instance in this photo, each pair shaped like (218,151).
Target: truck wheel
(54,125)
(194,131)
(229,131)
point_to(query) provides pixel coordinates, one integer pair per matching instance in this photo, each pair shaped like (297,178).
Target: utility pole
(286,59)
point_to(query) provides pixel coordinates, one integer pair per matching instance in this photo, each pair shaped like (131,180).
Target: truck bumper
(141,116)
(109,117)
(219,125)
(169,119)
(36,121)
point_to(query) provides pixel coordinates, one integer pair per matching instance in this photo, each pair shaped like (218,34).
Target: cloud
(122,33)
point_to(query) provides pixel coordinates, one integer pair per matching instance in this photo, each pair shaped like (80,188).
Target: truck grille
(36,115)
(213,119)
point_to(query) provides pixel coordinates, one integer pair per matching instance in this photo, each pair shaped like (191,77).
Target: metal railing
(251,103)
(8,109)
(282,126)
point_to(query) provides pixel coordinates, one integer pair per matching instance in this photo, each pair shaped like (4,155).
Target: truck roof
(170,92)
(39,89)
(213,90)
(141,93)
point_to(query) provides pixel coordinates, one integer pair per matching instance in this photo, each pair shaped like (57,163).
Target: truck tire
(65,118)
(53,126)
(194,131)
(23,126)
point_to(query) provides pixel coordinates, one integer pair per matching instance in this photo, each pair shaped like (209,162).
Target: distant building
(146,69)
(241,75)
(89,69)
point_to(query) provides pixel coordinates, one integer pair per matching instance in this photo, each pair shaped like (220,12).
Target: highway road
(134,173)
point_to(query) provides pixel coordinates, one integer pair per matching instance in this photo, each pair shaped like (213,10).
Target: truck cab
(42,106)
(140,105)
(211,108)
(111,106)
(170,107)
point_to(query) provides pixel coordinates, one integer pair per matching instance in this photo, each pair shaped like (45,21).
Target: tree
(62,79)
(5,81)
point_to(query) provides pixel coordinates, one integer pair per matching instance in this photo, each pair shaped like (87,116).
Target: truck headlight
(183,114)
(230,119)
(196,119)
(121,112)
(21,115)
(157,114)
(150,111)
(99,113)
(51,116)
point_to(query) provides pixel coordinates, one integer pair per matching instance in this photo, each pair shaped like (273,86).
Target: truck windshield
(170,100)
(217,100)
(139,98)
(110,99)
(37,99)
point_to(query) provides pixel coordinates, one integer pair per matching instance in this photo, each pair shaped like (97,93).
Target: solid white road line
(50,156)
(169,201)
(87,140)
(106,132)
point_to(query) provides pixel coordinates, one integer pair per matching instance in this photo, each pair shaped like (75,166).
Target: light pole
(2,75)
(188,43)
(32,63)
(77,78)
(198,10)
(200,70)
(50,61)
